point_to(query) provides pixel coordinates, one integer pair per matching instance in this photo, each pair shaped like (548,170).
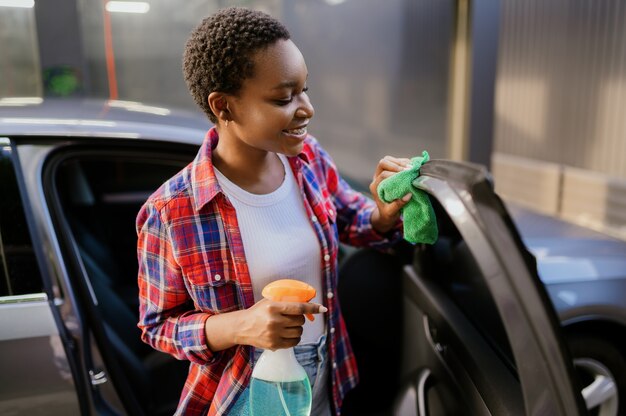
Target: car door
(87,194)
(480,335)
(35,372)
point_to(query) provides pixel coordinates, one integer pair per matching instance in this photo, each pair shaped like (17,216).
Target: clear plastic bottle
(280,386)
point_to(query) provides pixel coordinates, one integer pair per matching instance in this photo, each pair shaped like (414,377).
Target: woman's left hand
(386,215)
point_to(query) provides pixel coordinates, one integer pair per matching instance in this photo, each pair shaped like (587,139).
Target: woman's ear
(219,106)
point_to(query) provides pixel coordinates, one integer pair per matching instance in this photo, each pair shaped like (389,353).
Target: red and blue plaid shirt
(192,266)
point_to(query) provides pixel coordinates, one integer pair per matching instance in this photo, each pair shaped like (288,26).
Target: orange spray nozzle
(289,290)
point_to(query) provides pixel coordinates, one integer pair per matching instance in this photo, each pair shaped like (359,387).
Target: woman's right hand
(274,325)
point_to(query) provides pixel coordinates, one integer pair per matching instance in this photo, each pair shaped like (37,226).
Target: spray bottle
(280,385)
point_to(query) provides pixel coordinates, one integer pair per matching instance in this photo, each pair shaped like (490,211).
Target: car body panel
(29,333)
(584,271)
(91,118)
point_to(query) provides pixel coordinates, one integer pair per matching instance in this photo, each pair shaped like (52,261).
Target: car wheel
(602,372)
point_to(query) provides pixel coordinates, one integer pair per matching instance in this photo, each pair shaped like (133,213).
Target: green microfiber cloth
(420,224)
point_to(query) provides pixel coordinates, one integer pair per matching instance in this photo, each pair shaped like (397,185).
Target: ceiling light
(135,106)
(20,101)
(127,7)
(58,122)
(26,4)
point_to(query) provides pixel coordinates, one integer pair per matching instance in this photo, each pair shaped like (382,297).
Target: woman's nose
(306,109)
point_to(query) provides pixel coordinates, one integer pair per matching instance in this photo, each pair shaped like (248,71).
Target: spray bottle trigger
(289,290)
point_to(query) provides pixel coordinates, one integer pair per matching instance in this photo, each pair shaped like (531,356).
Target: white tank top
(278,239)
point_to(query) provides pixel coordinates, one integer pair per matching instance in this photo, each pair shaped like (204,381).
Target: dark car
(464,326)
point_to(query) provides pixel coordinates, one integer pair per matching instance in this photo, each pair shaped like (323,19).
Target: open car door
(480,335)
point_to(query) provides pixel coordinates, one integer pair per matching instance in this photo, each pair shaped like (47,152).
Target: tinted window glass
(19,273)
(101,194)
(455,269)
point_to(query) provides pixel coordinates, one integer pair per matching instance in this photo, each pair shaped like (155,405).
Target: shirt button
(313,218)
(326,257)
(332,330)
(330,212)
(334,364)
(330,295)
(217,277)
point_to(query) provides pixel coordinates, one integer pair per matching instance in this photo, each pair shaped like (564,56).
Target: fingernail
(406,197)
(323,309)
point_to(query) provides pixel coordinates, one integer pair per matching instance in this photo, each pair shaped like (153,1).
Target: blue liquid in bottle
(280,398)
(279,386)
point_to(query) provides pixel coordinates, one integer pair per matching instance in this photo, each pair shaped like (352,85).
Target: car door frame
(102,365)
(544,368)
(75,316)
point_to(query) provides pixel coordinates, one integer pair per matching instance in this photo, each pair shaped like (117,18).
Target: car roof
(31,116)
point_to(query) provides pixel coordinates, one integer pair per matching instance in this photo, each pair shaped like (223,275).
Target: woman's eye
(285,101)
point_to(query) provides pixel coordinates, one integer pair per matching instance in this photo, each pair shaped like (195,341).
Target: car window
(19,272)
(454,269)
(101,195)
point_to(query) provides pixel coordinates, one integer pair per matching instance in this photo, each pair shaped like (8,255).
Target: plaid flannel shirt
(192,266)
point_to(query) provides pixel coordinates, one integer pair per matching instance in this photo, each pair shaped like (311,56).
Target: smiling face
(271,110)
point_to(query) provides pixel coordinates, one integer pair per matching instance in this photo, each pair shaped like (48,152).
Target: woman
(261,201)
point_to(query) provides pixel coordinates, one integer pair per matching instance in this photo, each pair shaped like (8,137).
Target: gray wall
(378,76)
(561,83)
(19,54)
(378,69)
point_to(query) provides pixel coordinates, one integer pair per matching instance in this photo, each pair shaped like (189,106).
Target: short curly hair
(218,53)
